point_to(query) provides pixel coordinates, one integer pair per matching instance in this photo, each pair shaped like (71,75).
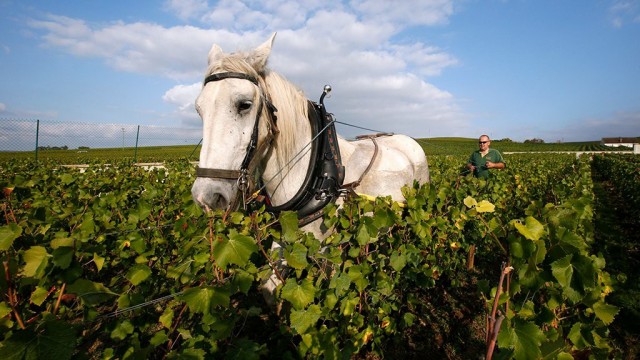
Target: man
(484,159)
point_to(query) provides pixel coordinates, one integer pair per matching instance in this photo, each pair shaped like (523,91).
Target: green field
(461,146)
(431,146)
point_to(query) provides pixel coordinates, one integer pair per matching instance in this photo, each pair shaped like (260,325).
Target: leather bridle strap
(230,75)
(217,173)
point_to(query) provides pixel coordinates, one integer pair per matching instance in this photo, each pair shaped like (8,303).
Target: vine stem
(11,294)
(504,250)
(493,324)
(7,193)
(55,309)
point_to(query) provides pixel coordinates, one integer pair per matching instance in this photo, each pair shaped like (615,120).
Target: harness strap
(217,173)
(230,75)
(356,183)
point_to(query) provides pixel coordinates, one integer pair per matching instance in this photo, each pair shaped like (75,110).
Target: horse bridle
(249,162)
(324,176)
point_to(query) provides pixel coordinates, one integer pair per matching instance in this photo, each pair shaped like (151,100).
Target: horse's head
(237,121)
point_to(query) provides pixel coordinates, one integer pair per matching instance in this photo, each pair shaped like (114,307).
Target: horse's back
(398,161)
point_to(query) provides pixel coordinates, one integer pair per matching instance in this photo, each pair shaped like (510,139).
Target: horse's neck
(286,167)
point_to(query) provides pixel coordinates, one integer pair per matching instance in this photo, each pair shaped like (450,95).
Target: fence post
(37,136)
(135,154)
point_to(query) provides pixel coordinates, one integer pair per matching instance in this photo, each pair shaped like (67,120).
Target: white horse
(243,141)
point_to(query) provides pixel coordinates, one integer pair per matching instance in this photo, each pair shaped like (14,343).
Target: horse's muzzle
(212,194)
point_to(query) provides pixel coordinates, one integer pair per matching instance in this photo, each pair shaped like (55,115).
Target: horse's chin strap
(250,162)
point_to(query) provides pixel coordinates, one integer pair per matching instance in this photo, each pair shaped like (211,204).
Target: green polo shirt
(479,161)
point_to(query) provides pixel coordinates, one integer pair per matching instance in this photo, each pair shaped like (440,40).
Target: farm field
(118,262)
(433,146)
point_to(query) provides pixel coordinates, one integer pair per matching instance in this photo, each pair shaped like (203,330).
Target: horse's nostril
(219,202)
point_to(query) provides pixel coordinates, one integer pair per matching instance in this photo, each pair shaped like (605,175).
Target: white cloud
(622,12)
(349,45)
(184,98)
(186,9)
(3,107)
(410,12)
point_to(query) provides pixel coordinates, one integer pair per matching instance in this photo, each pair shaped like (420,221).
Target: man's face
(484,143)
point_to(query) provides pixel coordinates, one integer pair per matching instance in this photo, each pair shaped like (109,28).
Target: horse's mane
(288,99)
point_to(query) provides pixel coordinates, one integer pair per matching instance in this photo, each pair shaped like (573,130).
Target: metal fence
(35,135)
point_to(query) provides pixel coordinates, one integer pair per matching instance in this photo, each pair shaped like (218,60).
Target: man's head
(484,142)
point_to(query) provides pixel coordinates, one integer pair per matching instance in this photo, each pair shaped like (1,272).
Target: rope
(360,127)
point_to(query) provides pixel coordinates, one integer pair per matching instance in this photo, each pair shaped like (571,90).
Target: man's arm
(495,165)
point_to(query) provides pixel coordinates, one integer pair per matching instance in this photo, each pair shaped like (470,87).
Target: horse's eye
(244,105)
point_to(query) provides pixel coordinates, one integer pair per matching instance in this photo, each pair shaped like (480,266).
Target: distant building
(620,141)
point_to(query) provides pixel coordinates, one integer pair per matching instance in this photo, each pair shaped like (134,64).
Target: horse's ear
(214,53)
(261,54)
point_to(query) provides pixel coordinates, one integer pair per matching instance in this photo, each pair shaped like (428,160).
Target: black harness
(325,174)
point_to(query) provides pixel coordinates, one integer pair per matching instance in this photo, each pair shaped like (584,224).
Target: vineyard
(118,262)
(433,146)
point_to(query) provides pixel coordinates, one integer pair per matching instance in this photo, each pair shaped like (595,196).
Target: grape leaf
(299,295)
(236,249)
(8,233)
(302,320)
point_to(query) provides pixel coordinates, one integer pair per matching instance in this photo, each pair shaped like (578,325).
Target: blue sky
(551,69)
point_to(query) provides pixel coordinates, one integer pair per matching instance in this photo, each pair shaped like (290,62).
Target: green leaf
(470,202)
(67,179)
(567,237)
(36,259)
(363,237)
(237,249)
(564,356)
(525,338)
(138,273)
(605,312)
(302,320)
(122,331)
(289,224)
(54,340)
(297,258)
(90,292)
(144,209)
(562,270)
(204,299)
(532,229)
(299,295)
(398,261)
(62,241)
(485,206)
(166,319)
(98,260)
(580,336)
(39,295)
(63,256)
(383,218)
(158,338)
(8,233)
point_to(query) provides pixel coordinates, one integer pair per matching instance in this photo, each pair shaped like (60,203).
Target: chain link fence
(38,136)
